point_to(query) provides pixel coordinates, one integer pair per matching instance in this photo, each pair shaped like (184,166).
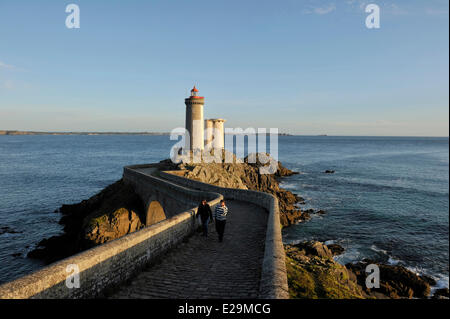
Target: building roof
(194,89)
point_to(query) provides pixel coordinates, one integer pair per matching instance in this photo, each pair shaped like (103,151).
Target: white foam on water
(316,216)
(441,282)
(393,262)
(391,259)
(441,279)
(350,255)
(288,185)
(417,270)
(293,241)
(378,250)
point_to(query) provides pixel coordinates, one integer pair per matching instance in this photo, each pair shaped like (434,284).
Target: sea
(388,199)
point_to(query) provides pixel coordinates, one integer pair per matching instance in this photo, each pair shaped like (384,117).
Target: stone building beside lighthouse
(214,130)
(197,126)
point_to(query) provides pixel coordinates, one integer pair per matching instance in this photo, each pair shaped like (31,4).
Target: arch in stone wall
(155,212)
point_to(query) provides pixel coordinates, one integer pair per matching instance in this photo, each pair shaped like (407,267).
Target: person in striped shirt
(220,217)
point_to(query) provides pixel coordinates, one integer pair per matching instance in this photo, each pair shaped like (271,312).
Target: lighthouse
(194,120)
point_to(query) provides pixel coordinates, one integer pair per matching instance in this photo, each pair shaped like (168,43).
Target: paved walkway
(205,268)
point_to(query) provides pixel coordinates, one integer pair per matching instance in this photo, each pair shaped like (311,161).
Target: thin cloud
(6,66)
(325,10)
(387,6)
(322,10)
(359,4)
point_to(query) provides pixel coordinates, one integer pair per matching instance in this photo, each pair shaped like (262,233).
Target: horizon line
(32,132)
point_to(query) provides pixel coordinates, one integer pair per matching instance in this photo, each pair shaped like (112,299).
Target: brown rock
(442,293)
(245,175)
(429,280)
(314,248)
(120,223)
(395,281)
(116,211)
(336,249)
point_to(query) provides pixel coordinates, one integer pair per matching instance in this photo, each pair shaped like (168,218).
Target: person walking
(205,216)
(220,217)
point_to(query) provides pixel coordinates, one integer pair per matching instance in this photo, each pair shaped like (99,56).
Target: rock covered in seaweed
(313,274)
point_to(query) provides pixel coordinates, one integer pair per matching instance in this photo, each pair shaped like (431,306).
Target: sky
(304,67)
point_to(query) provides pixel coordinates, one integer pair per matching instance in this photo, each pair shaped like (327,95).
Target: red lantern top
(194,94)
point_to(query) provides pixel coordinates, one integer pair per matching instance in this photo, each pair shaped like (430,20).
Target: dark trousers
(220,228)
(205,226)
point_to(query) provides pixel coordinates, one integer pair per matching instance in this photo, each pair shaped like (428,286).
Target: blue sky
(306,67)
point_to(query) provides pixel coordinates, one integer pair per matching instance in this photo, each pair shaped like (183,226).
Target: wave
(288,185)
(442,280)
(393,262)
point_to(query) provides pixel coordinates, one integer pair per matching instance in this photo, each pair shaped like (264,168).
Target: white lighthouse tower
(194,121)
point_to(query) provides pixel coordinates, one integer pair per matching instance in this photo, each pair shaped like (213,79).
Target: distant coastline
(6,132)
(16,132)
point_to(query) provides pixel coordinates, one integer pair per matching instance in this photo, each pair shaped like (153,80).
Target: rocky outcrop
(246,175)
(442,293)
(114,212)
(395,281)
(111,226)
(336,249)
(313,274)
(314,248)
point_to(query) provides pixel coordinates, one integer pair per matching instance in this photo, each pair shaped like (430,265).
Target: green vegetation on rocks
(313,274)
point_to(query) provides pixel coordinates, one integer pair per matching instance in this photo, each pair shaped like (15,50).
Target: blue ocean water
(387,200)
